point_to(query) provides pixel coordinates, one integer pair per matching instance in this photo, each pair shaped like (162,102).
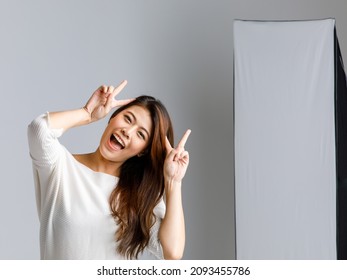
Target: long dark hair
(141,183)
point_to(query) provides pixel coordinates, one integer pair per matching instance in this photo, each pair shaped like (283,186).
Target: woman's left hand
(177,160)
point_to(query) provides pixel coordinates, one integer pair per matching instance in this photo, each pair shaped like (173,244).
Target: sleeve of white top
(154,245)
(44,151)
(44,146)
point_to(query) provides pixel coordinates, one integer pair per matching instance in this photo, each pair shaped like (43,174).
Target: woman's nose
(128,131)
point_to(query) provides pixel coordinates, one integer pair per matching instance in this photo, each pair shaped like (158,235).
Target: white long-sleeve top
(72,201)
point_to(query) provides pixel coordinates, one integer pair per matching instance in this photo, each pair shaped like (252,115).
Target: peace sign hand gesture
(103,100)
(177,160)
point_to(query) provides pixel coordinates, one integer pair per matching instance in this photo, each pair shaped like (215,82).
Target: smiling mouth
(116,142)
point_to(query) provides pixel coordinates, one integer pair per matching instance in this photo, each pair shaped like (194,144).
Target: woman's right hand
(103,100)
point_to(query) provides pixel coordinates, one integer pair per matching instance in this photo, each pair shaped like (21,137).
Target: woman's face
(126,135)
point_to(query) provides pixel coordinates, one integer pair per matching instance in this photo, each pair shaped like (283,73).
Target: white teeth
(119,140)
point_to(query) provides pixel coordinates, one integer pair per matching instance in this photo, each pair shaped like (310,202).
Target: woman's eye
(141,135)
(127,118)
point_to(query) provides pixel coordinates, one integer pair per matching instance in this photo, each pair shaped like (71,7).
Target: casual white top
(72,201)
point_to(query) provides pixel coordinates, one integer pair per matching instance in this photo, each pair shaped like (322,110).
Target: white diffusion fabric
(285,173)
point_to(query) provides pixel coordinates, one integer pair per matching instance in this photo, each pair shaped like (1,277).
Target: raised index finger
(119,88)
(184,139)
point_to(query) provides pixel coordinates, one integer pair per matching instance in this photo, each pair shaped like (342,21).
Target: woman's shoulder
(84,159)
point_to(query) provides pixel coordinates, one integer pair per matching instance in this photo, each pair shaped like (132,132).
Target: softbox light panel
(286,140)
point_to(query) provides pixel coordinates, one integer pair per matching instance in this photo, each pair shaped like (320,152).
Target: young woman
(119,200)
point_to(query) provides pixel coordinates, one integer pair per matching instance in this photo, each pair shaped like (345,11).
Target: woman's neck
(98,163)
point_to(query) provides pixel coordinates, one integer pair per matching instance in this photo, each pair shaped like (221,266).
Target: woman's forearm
(68,119)
(172,230)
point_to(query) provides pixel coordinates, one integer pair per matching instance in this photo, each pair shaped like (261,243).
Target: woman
(109,204)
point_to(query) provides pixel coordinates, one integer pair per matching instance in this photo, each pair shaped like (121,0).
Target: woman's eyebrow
(134,117)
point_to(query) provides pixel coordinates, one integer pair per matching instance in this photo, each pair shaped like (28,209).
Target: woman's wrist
(87,113)
(172,185)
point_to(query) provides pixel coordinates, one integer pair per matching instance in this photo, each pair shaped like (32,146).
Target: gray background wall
(53,54)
